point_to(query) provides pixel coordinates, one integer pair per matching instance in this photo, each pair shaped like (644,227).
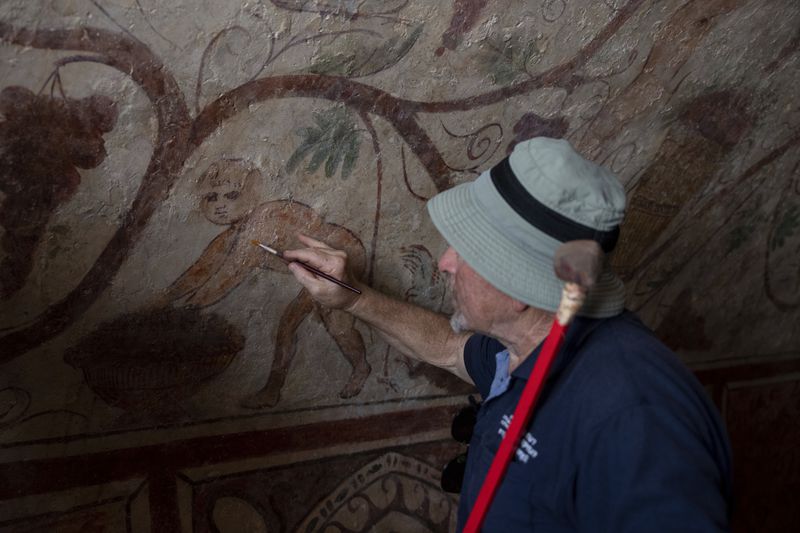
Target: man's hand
(414,331)
(328,260)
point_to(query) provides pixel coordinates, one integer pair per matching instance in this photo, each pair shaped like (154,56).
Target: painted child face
(226,190)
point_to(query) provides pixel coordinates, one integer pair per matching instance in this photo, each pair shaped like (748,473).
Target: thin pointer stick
(311,269)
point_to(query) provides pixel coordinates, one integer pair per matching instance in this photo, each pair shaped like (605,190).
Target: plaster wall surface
(158,372)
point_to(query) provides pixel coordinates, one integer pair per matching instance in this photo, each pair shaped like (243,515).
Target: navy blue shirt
(623,439)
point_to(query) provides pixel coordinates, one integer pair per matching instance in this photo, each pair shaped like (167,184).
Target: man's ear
(518,306)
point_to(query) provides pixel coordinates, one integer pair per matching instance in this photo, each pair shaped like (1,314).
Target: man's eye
(233,195)
(211,197)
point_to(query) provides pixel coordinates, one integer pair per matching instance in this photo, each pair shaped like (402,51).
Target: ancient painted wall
(160,373)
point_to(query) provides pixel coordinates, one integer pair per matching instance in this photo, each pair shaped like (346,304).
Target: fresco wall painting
(161,373)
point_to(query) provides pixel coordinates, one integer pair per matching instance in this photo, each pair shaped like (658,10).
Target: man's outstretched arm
(413,330)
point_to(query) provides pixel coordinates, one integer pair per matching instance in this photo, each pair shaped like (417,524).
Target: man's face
(477,305)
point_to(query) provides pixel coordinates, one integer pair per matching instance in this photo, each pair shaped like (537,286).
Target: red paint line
(62,473)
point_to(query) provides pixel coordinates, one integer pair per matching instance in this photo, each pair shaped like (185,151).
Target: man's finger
(310,241)
(303,276)
(314,257)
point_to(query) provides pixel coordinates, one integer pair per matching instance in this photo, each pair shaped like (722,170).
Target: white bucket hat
(508,223)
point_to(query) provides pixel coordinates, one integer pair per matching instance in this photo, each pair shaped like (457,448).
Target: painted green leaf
(333,140)
(505,60)
(334,65)
(333,162)
(322,152)
(299,154)
(739,236)
(350,156)
(363,57)
(786,227)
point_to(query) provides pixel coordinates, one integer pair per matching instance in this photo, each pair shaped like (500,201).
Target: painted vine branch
(362,98)
(178,136)
(680,258)
(399,112)
(563,75)
(134,59)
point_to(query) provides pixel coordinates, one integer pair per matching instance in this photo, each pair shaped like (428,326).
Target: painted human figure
(228,199)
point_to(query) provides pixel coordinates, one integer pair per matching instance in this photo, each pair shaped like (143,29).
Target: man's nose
(448,260)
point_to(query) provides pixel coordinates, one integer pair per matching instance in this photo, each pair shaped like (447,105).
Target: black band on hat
(545,219)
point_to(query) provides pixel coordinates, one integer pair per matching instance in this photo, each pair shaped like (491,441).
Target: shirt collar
(580,328)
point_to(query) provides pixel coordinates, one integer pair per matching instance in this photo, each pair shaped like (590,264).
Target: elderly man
(624,437)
